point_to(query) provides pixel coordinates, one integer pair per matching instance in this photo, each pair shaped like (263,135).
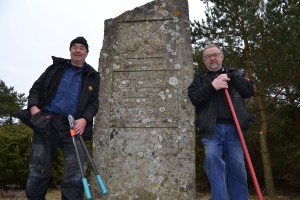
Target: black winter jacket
(203,96)
(46,86)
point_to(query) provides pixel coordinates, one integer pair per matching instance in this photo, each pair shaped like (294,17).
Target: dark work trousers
(42,153)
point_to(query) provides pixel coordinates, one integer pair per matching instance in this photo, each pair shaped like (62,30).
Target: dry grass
(251,197)
(54,194)
(12,194)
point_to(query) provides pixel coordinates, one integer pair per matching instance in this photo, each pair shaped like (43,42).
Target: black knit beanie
(80,40)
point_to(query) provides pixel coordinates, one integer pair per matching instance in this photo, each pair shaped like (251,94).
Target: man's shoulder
(57,60)
(56,64)
(90,69)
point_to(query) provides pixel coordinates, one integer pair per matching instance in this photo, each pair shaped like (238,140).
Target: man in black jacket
(67,87)
(224,159)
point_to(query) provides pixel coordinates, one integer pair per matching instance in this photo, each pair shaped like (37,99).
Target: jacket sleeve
(241,83)
(200,91)
(92,106)
(35,91)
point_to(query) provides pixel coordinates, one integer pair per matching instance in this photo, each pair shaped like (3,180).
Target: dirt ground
(54,194)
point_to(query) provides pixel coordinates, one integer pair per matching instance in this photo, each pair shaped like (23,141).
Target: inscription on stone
(144,99)
(135,64)
(144,88)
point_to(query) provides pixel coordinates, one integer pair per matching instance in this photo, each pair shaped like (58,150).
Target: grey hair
(211,46)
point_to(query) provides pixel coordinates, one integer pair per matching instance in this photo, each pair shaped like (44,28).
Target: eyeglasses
(209,56)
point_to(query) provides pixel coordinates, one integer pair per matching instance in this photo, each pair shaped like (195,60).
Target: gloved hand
(231,73)
(40,120)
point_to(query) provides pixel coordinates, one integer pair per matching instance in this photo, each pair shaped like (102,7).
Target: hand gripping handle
(72,121)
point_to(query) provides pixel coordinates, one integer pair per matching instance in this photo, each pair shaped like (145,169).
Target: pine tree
(10,101)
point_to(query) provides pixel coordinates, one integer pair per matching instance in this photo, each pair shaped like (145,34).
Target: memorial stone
(144,135)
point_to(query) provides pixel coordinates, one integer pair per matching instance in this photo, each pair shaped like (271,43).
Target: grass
(16,194)
(54,194)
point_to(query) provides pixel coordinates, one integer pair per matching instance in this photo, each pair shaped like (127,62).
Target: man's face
(213,58)
(78,54)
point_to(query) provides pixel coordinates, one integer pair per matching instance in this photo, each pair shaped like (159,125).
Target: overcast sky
(31,31)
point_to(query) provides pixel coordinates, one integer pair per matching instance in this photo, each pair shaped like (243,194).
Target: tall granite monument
(144,138)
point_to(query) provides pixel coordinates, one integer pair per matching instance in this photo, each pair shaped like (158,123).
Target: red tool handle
(246,153)
(72,131)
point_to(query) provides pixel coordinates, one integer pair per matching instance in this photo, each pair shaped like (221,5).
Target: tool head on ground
(72,121)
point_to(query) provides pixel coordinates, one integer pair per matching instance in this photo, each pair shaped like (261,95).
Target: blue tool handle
(86,189)
(103,188)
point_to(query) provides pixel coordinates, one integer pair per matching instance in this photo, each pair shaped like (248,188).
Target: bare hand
(34,110)
(221,82)
(80,126)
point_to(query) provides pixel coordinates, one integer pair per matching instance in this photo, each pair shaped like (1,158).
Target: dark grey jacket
(202,95)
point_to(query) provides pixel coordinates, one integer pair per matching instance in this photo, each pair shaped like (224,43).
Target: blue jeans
(224,164)
(42,153)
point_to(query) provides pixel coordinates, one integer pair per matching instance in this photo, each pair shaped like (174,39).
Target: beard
(214,66)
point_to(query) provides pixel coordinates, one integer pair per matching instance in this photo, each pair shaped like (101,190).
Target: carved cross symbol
(141,37)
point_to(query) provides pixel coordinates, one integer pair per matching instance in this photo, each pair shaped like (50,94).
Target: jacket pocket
(40,120)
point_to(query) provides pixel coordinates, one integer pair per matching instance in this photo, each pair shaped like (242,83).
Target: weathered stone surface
(144,138)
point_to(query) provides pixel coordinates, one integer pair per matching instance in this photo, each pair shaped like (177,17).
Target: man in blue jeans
(67,87)
(224,158)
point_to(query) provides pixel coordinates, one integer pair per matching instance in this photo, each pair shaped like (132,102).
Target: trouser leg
(214,165)
(236,170)
(72,187)
(42,152)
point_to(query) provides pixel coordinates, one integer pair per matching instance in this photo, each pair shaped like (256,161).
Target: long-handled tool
(98,177)
(84,180)
(246,153)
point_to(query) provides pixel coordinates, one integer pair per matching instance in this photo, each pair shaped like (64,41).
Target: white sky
(31,31)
